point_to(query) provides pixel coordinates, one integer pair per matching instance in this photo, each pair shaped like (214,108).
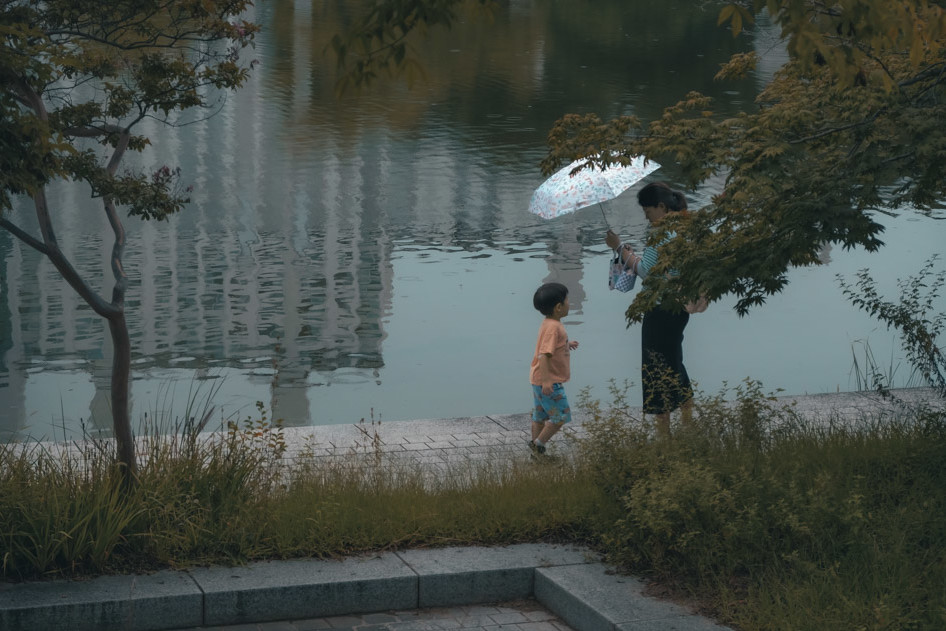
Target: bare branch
(834,130)
(62,264)
(161,41)
(28,96)
(118,250)
(94,131)
(23,236)
(937,69)
(902,156)
(940,77)
(119,152)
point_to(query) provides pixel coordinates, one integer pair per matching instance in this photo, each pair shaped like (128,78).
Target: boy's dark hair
(549,295)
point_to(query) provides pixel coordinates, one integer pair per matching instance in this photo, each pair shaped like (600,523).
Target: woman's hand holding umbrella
(612,240)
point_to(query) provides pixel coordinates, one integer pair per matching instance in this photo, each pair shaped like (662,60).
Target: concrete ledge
(591,598)
(144,603)
(284,590)
(567,580)
(467,576)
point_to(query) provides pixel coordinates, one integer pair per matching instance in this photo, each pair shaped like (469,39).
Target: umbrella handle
(605,216)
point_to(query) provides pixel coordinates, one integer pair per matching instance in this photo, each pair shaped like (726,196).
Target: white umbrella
(564,193)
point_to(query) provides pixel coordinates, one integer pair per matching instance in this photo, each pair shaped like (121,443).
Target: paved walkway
(522,615)
(444,447)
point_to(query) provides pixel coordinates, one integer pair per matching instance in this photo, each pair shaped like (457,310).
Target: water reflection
(365,255)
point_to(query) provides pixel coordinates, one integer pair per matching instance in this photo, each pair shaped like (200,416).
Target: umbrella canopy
(564,193)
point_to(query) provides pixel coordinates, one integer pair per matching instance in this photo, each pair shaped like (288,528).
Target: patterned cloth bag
(620,276)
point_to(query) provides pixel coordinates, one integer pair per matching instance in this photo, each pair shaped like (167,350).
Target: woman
(664,378)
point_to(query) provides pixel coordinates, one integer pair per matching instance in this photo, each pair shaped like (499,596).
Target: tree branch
(26,95)
(834,130)
(94,131)
(926,73)
(119,152)
(62,264)
(24,236)
(118,248)
(49,245)
(902,156)
(172,41)
(938,80)
(827,132)
(118,251)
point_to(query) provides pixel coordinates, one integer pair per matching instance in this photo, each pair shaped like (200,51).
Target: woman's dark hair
(549,295)
(660,193)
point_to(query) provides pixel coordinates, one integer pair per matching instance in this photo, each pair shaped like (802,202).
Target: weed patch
(780,523)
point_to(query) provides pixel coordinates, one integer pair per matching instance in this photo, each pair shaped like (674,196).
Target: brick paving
(443,446)
(521,615)
(446,448)
(448,451)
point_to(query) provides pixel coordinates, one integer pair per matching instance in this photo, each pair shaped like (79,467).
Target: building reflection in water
(280,272)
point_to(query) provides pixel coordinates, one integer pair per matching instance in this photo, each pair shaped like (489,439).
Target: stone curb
(567,580)
(591,597)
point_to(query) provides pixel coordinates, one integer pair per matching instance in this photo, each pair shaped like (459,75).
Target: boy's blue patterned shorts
(550,407)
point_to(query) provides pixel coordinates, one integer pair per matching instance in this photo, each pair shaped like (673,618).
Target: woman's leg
(662,424)
(686,411)
(664,379)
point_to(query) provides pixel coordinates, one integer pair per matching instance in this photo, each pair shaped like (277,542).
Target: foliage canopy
(851,126)
(77,70)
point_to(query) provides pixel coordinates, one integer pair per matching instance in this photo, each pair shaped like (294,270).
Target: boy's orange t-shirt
(552,341)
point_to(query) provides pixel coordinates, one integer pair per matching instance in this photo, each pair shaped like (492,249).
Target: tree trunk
(121,385)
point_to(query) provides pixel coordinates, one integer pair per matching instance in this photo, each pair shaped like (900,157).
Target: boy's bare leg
(549,430)
(537,428)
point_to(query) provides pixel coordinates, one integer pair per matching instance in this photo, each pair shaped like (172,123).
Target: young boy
(550,366)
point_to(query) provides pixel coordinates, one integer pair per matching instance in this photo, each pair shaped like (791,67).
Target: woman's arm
(645,262)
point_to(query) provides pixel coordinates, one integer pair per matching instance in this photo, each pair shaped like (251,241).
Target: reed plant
(60,513)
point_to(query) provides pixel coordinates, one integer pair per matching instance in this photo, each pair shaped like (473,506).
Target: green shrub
(804,525)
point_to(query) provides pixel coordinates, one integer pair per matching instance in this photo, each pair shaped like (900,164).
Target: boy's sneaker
(537,450)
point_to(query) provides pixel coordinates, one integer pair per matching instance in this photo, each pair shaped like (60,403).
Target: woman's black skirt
(664,378)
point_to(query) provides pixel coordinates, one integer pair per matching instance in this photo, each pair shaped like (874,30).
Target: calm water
(375,257)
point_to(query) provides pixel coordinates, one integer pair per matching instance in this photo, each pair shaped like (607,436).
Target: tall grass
(780,523)
(233,497)
(59,514)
